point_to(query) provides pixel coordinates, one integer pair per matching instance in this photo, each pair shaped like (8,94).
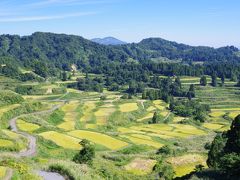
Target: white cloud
(41,18)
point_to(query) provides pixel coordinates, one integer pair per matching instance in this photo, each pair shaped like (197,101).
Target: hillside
(157,47)
(57,49)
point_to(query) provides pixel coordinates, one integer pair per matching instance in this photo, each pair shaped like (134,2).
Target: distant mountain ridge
(59,49)
(108,41)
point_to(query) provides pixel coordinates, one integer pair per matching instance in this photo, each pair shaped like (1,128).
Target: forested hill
(57,49)
(157,47)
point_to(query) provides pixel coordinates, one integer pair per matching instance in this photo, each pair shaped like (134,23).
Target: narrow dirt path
(167,116)
(31,150)
(32,146)
(142,103)
(50,175)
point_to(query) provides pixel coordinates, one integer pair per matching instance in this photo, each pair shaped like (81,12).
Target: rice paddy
(148,116)
(99,138)
(7,108)
(140,166)
(11,134)
(102,115)
(3,171)
(212,126)
(151,108)
(185,164)
(6,143)
(67,126)
(62,140)
(234,114)
(70,116)
(128,107)
(26,126)
(137,140)
(164,131)
(88,107)
(115,124)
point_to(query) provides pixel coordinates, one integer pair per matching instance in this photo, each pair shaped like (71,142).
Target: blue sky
(196,22)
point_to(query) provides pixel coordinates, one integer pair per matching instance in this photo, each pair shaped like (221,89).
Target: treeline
(46,54)
(191,108)
(88,84)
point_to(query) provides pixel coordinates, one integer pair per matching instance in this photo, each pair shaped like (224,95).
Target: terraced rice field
(7,108)
(164,131)
(188,129)
(185,164)
(148,116)
(128,107)
(26,126)
(137,140)
(6,143)
(212,126)
(3,171)
(177,119)
(217,114)
(221,99)
(91,126)
(102,115)
(140,166)
(151,108)
(141,136)
(62,140)
(124,130)
(88,107)
(40,97)
(234,114)
(99,138)
(11,134)
(67,126)
(70,116)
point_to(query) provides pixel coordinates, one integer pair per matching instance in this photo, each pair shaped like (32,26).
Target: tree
(166,150)
(86,154)
(191,92)
(238,84)
(224,154)
(214,79)
(203,81)
(154,118)
(222,80)
(41,69)
(163,170)
(64,76)
(233,142)
(216,151)
(178,82)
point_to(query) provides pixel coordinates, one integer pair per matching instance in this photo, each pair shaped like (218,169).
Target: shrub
(163,170)
(166,150)
(86,154)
